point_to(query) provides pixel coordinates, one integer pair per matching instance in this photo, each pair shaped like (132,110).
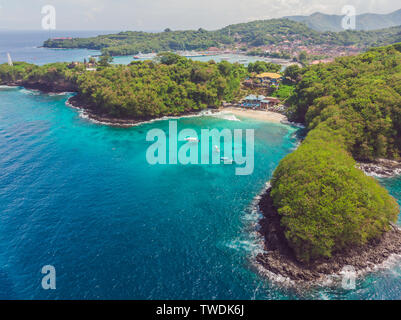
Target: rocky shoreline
(382,168)
(90,111)
(46,87)
(93,114)
(279,259)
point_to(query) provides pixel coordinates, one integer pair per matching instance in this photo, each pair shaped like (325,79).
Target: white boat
(145,56)
(226,160)
(191,139)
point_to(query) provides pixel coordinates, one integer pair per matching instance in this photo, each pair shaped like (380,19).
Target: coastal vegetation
(173,85)
(351,108)
(359,98)
(262,66)
(284,91)
(326,204)
(252,35)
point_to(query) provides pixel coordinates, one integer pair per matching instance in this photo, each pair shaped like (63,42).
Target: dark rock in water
(280,259)
(381,168)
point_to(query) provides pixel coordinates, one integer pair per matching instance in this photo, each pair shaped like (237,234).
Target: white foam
(274,277)
(30,91)
(250,246)
(219,114)
(294,124)
(86,115)
(8,87)
(59,93)
(373,173)
(226,116)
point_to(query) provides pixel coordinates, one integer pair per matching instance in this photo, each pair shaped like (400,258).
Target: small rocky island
(324,210)
(279,258)
(323,213)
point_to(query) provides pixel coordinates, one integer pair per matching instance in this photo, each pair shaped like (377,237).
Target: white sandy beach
(256,114)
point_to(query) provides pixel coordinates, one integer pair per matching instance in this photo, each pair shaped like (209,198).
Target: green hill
(251,34)
(351,108)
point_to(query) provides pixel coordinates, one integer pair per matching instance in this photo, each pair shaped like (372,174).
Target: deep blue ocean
(80,196)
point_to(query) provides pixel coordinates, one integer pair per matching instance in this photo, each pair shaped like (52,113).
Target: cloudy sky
(176,14)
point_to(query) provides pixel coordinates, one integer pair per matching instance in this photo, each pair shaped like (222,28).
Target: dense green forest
(351,107)
(172,85)
(358,98)
(326,204)
(251,34)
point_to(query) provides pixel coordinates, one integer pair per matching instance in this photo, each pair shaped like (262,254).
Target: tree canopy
(141,90)
(351,108)
(359,97)
(252,34)
(326,204)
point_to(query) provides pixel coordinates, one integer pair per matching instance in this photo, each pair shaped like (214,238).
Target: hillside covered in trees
(173,85)
(251,34)
(351,107)
(358,98)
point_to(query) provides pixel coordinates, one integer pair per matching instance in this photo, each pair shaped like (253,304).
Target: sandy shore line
(257,114)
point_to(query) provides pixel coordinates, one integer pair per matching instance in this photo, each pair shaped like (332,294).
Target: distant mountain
(368,21)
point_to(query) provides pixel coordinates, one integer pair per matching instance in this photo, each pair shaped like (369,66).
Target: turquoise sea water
(80,196)
(25,46)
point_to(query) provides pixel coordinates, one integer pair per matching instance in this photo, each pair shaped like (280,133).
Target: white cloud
(176,14)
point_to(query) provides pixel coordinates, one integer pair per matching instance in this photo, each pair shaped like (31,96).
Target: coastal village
(258,86)
(266,82)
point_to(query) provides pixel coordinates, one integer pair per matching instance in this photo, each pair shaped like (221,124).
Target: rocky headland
(279,259)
